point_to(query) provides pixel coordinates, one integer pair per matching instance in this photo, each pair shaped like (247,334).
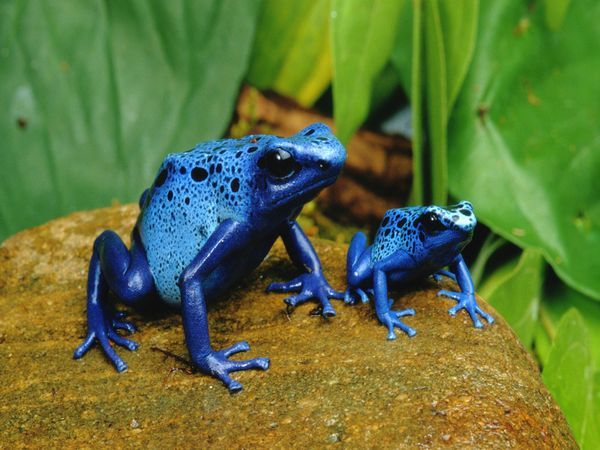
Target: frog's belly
(167,267)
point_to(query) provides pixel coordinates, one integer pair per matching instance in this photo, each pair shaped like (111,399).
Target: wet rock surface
(336,382)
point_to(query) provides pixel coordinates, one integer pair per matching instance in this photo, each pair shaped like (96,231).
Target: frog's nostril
(323,165)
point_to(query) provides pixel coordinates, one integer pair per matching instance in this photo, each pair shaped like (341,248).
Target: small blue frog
(411,243)
(210,218)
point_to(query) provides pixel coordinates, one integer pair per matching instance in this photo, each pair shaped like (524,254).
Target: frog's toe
(440,274)
(452,311)
(405,312)
(391,321)
(348,299)
(289,286)
(485,315)
(120,340)
(233,385)
(111,354)
(124,325)
(295,300)
(216,363)
(238,347)
(471,311)
(338,295)
(468,303)
(326,307)
(85,346)
(453,295)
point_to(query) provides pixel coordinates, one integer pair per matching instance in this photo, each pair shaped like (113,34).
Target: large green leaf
(569,375)
(97,92)
(436,83)
(559,298)
(406,58)
(449,32)
(555,12)
(457,23)
(292,50)
(449,42)
(363,34)
(525,138)
(514,290)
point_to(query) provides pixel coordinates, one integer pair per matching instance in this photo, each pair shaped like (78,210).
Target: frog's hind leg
(124,272)
(358,268)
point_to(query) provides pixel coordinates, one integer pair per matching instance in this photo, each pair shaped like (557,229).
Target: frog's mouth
(308,193)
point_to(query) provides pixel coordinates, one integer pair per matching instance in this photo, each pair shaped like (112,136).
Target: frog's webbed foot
(467,302)
(437,276)
(391,319)
(102,326)
(308,286)
(352,292)
(218,364)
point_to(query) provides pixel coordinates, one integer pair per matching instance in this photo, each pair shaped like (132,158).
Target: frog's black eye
(431,223)
(279,163)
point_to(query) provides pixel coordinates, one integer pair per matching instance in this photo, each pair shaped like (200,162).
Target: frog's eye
(431,223)
(279,163)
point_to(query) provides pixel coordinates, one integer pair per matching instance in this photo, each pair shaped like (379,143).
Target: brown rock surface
(336,381)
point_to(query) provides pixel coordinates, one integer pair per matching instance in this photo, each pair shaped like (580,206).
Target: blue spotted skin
(193,193)
(411,243)
(210,218)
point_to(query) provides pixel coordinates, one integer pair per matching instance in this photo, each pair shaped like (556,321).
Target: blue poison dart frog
(411,243)
(210,218)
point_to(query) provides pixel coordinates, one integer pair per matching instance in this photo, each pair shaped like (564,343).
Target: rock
(337,381)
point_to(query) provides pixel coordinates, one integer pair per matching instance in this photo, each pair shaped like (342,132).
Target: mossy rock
(330,381)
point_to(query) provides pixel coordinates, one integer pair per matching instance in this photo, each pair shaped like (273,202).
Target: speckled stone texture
(336,382)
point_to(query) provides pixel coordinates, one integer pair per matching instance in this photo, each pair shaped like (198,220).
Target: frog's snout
(328,152)
(467,220)
(467,205)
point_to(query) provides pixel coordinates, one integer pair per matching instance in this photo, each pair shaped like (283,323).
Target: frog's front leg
(358,269)
(311,284)
(225,241)
(388,317)
(466,298)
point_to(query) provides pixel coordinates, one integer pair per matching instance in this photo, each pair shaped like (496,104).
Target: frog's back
(397,231)
(192,194)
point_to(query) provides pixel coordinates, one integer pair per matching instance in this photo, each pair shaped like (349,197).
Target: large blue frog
(411,243)
(210,217)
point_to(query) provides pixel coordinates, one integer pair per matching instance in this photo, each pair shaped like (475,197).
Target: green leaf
(97,92)
(437,101)
(408,35)
(555,12)
(569,376)
(459,29)
(492,243)
(514,290)
(363,34)
(417,195)
(450,30)
(384,86)
(406,58)
(558,298)
(292,50)
(525,138)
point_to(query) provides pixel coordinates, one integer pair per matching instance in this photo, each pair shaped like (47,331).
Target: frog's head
(291,171)
(446,229)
